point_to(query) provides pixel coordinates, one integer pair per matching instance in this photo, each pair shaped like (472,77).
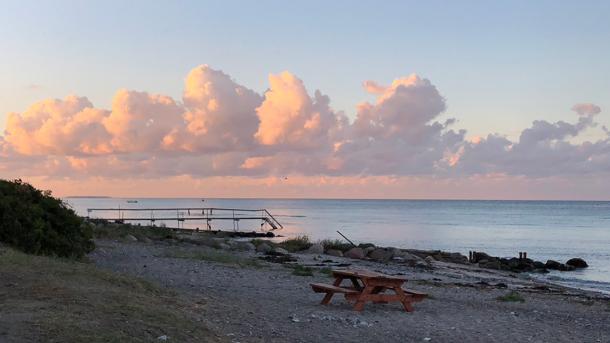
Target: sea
(557,230)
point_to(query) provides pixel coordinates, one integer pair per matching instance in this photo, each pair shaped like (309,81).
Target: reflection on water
(545,229)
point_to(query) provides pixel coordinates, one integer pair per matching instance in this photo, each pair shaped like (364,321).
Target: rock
(334,252)
(577,263)
(264,248)
(163,338)
(224,246)
(146,240)
(382,255)
(244,246)
(281,251)
(316,248)
(368,250)
(552,264)
(478,256)
(355,253)
(131,238)
(429,260)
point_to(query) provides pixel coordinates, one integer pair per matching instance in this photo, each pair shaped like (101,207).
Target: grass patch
(512,296)
(298,243)
(48,299)
(335,244)
(326,271)
(222,257)
(120,231)
(300,270)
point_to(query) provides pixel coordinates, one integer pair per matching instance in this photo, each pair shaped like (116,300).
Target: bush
(336,245)
(511,297)
(296,244)
(37,223)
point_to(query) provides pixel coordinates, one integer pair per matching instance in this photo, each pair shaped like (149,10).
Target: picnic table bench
(369,286)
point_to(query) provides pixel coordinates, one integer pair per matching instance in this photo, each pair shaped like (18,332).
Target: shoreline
(248,298)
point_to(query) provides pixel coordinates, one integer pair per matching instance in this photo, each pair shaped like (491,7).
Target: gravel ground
(269,304)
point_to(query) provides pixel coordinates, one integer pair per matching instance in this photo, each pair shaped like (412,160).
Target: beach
(246,299)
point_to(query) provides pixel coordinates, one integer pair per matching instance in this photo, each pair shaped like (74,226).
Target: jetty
(206,215)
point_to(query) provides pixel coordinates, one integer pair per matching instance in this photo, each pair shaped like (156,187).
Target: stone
(381,255)
(334,252)
(552,264)
(368,250)
(355,253)
(429,260)
(577,263)
(264,248)
(131,238)
(146,240)
(316,248)
(224,246)
(244,246)
(281,251)
(163,338)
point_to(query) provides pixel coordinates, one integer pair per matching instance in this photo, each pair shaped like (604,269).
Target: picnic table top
(366,274)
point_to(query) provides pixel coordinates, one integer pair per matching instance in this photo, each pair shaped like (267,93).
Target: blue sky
(500,65)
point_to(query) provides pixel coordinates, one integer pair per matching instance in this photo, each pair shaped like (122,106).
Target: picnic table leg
(362,298)
(329,294)
(404,299)
(327,298)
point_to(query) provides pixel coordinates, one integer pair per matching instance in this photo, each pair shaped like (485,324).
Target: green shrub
(37,223)
(298,243)
(300,270)
(512,296)
(109,230)
(336,245)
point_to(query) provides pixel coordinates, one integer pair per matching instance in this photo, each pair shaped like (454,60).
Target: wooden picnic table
(366,286)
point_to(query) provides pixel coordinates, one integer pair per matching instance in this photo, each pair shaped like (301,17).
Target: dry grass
(52,300)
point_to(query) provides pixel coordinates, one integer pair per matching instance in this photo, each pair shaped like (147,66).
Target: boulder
(334,252)
(264,248)
(429,260)
(281,251)
(381,255)
(577,263)
(131,238)
(316,248)
(355,253)
(552,264)
(478,256)
(368,250)
(244,246)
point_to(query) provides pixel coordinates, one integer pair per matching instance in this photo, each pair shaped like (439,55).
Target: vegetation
(300,270)
(58,300)
(35,222)
(336,245)
(296,244)
(108,230)
(215,256)
(512,296)
(326,271)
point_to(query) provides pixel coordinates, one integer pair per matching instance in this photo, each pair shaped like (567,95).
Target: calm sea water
(556,230)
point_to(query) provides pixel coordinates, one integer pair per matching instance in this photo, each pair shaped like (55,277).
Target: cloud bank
(222,128)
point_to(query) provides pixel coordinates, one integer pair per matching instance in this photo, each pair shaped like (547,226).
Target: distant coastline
(87,197)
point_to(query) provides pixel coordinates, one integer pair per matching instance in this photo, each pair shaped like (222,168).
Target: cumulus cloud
(291,119)
(222,128)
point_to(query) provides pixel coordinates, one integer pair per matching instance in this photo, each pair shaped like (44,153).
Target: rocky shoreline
(247,297)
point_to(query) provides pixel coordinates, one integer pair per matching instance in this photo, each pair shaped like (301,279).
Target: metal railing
(181,214)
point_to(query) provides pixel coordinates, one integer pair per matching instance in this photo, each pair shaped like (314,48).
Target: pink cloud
(221,128)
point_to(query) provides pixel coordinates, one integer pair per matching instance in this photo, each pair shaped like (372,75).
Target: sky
(403,99)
